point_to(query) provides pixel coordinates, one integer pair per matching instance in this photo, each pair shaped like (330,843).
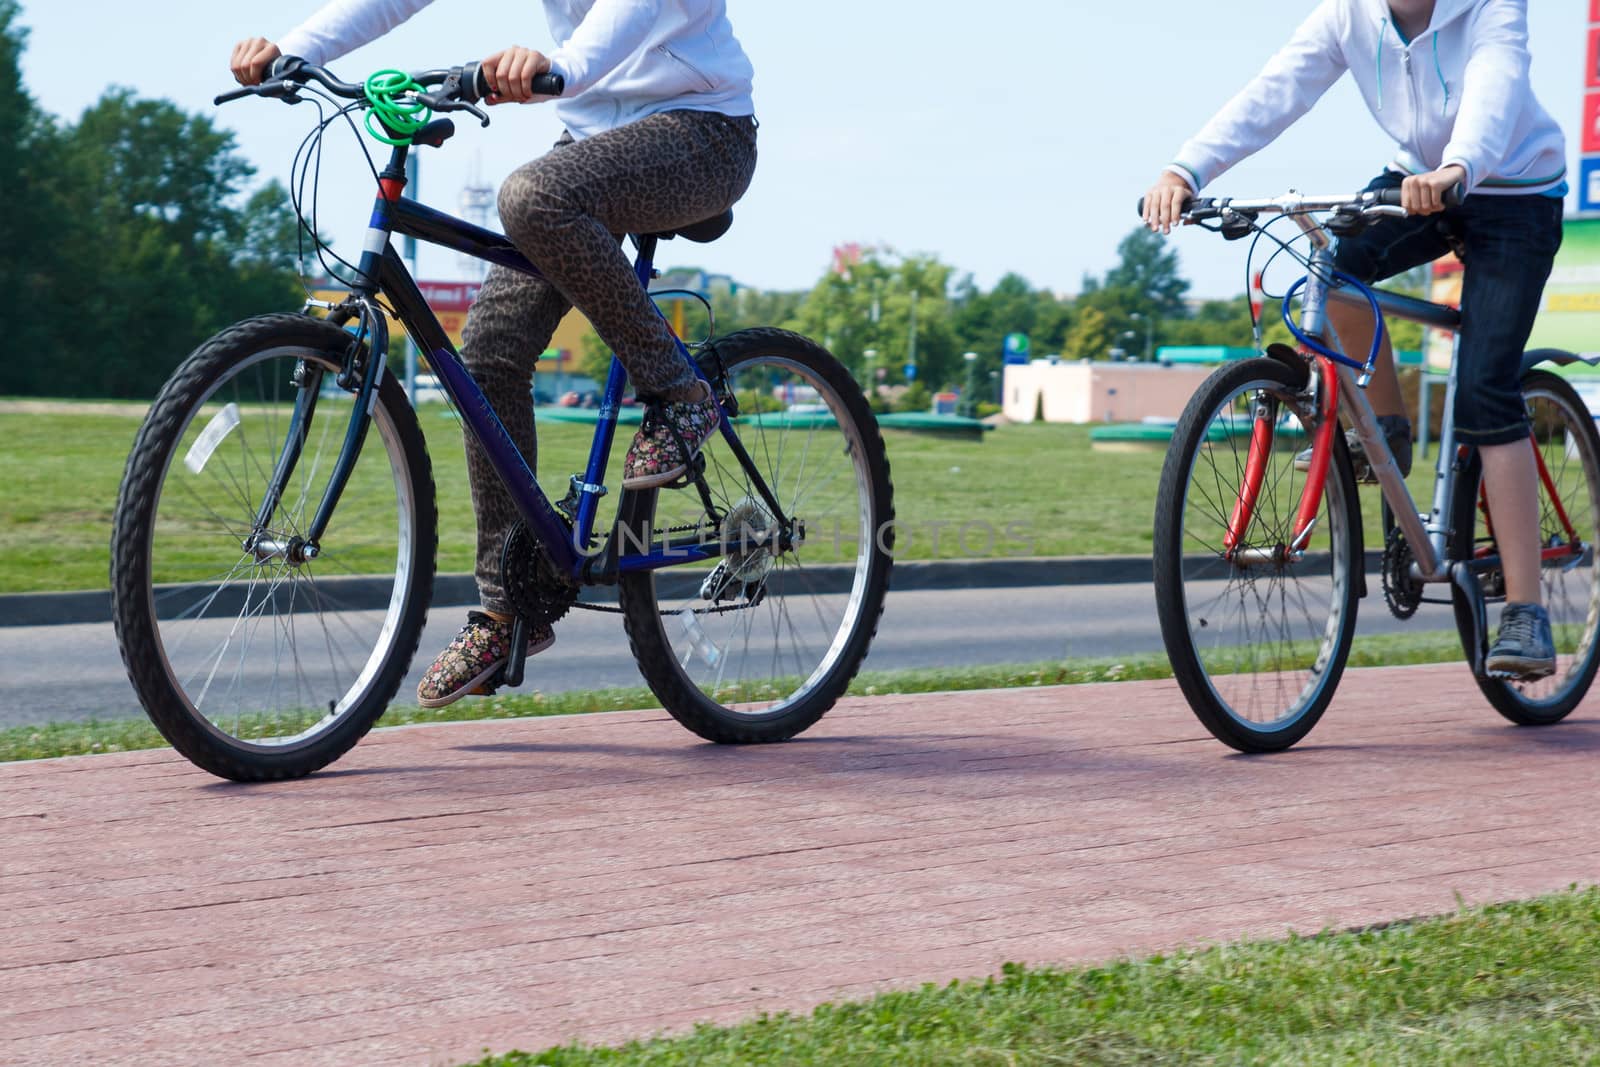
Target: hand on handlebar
(1163,204)
(251,58)
(510,73)
(1425,194)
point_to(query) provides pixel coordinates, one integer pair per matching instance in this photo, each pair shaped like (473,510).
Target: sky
(1012,135)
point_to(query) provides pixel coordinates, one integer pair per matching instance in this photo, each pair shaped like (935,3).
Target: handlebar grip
(1391,197)
(475,84)
(284,65)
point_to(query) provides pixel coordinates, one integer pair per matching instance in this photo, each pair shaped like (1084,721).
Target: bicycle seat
(702,232)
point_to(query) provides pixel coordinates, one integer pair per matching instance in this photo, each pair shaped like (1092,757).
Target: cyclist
(1448,80)
(659,134)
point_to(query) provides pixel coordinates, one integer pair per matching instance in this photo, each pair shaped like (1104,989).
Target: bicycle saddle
(702,232)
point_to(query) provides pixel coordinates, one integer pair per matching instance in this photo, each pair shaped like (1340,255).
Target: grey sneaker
(1397,428)
(1525,649)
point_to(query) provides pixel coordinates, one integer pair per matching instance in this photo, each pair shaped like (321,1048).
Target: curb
(458,590)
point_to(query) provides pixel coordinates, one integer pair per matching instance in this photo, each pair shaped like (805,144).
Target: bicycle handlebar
(1374,202)
(462,86)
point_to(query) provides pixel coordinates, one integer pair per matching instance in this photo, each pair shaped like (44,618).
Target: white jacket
(1457,93)
(622,59)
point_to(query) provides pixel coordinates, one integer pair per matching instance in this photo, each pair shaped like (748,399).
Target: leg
(1354,327)
(663,171)
(1389,247)
(1512,482)
(508,327)
(1510,242)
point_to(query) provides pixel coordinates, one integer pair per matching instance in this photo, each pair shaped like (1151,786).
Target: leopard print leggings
(565,212)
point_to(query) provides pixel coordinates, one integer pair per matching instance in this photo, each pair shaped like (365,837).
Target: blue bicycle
(273,559)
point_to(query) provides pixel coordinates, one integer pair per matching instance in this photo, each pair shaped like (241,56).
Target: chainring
(1401,591)
(538,591)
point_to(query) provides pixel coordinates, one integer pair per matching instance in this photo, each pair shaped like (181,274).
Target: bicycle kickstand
(1468,589)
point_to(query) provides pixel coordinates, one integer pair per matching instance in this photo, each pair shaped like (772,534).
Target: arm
(1495,81)
(345,25)
(611,32)
(1287,87)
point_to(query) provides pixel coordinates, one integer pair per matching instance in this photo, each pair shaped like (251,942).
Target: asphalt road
(54,673)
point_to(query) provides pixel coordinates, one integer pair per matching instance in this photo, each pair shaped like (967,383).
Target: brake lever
(438,103)
(280,90)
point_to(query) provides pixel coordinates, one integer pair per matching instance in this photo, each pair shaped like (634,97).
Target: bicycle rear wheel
(1257,641)
(758,646)
(254,662)
(1570,580)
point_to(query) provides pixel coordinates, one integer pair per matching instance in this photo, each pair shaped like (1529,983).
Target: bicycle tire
(666,669)
(1575,621)
(154,640)
(1216,692)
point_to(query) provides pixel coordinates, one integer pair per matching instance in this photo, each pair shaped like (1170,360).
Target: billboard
(1589,136)
(449,302)
(1569,318)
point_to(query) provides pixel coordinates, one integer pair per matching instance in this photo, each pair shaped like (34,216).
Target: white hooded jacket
(622,59)
(1456,93)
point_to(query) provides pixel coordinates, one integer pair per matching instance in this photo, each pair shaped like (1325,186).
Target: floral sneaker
(474,657)
(672,435)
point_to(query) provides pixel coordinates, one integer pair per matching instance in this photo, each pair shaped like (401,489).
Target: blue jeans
(1508,244)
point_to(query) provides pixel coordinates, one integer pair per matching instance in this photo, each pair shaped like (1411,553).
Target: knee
(530,202)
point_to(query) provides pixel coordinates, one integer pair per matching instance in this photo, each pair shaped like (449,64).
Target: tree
(1091,335)
(872,308)
(981,320)
(1149,268)
(32,213)
(139,245)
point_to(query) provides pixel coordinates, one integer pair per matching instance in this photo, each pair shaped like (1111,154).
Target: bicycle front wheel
(1569,519)
(254,661)
(758,646)
(1257,640)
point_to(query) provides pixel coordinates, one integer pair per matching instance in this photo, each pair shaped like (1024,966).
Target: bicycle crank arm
(516,656)
(1465,586)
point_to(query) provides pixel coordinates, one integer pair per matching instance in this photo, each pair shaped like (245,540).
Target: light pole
(1149,333)
(969,392)
(869,357)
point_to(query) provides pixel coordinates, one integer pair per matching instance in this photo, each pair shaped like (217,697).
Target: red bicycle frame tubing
(1545,554)
(1550,488)
(1261,438)
(1255,469)
(1321,453)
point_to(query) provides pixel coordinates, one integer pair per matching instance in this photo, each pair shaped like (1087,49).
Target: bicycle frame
(1339,381)
(382,270)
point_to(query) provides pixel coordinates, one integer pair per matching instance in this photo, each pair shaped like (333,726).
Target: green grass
(70,738)
(1508,984)
(1038,490)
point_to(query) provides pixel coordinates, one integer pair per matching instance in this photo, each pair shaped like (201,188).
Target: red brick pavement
(518,884)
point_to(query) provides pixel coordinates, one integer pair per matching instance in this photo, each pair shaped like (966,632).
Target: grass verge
(1511,983)
(1036,490)
(123,735)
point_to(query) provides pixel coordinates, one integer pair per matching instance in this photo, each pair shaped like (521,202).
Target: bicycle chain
(605,609)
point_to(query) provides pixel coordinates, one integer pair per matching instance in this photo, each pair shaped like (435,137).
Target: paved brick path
(516,884)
